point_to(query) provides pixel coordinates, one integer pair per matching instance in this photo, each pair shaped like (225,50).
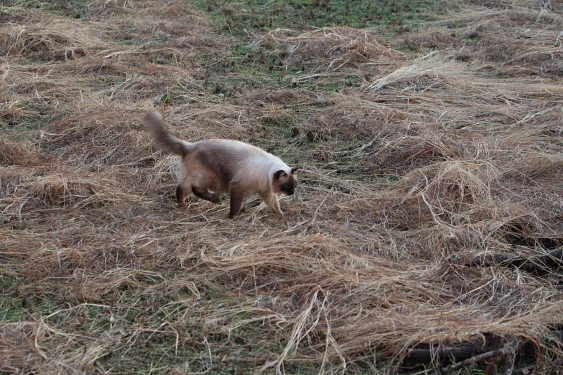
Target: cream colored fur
(224,166)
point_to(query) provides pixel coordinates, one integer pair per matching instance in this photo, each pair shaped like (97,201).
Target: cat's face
(285,182)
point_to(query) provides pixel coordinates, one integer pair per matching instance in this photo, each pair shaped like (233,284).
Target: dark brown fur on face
(224,166)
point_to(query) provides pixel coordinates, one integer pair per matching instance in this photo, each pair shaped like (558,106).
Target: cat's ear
(279,174)
(295,169)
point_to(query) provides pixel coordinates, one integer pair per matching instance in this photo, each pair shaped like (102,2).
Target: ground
(430,136)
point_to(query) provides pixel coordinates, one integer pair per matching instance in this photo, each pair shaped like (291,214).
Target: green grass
(251,67)
(18,305)
(69,8)
(246,15)
(11,305)
(22,123)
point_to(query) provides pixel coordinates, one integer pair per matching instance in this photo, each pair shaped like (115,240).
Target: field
(426,234)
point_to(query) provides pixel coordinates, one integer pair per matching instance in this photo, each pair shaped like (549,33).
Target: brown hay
(542,172)
(11,178)
(114,7)
(110,138)
(18,153)
(530,51)
(464,182)
(347,120)
(17,345)
(429,70)
(329,49)
(59,191)
(438,39)
(276,96)
(63,189)
(57,40)
(412,152)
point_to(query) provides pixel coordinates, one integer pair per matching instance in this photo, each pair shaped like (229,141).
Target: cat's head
(285,181)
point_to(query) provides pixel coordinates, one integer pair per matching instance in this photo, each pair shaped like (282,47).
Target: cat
(217,166)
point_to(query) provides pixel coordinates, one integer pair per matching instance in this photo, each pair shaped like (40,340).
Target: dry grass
(447,151)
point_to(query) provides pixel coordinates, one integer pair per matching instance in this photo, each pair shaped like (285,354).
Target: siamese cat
(217,166)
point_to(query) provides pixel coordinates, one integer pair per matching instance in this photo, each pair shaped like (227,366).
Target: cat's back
(231,158)
(229,150)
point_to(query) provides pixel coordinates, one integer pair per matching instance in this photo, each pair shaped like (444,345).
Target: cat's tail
(162,137)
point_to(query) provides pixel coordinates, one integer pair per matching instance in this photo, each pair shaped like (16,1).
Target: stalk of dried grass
(17,345)
(55,40)
(432,64)
(23,153)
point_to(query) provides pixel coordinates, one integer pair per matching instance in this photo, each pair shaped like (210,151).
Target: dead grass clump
(99,66)
(18,346)
(164,57)
(438,68)
(530,50)
(11,178)
(543,170)
(23,153)
(275,96)
(348,120)
(121,81)
(87,266)
(393,212)
(536,14)
(13,17)
(456,192)
(295,255)
(178,36)
(201,45)
(154,81)
(109,8)
(31,92)
(552,126)
(411,152)
(438,39)
(57,263)
(467,284)
(57,40)
(62,190)
(19,14)
(501,297)
(37,87)
(491,50)
(58,190)
(521,228)
(545,61)
(179,8)
(520,57)
(420,83)
(113,137)
(330,50)
(13,112)
(538,136)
